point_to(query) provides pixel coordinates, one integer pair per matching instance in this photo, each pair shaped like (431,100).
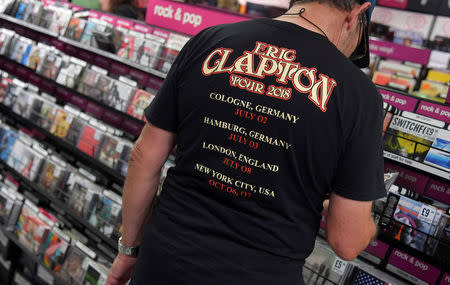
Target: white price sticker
(339,266)
(427,214)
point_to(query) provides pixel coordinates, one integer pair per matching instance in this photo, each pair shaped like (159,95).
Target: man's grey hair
(345,5)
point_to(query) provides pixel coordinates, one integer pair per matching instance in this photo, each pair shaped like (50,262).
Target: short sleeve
(360,169)
(163,111)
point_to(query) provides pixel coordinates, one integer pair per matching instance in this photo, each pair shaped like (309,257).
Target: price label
(339,266)
(427,214)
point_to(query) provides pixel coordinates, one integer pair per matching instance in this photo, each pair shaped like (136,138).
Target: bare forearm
(139,191)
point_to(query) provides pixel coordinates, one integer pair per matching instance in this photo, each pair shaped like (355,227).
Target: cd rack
(62,145)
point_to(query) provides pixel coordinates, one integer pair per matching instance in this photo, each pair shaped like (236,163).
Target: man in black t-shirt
(269,117)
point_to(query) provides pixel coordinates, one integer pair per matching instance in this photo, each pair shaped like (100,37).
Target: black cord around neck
(302,10)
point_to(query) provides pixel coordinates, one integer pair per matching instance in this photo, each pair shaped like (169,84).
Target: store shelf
(417,165)
(58,203)
(17,72)
(28,25)
(60,144)
(35,258)
(113,57)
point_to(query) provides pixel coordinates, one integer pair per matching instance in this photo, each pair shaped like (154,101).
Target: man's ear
(352,18)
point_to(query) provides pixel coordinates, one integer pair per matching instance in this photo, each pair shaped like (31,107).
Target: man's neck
(327,18)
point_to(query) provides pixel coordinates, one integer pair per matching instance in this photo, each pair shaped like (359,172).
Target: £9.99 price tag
(339,266)
(426,214)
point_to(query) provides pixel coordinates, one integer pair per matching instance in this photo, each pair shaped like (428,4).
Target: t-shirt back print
(273,61)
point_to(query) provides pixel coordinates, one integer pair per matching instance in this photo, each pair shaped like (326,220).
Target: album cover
(10,97)
(407,141)
(54,248)
(108,150)
(131,43)
(34,12)
(408,38)
(322,260)
(122,164)
(106,215)
(6,5)
(42,113)
(106,38)
(394,81)
(442,252)
(87,35)
(6,37)
(364,278)
(93,84)
(21,8)
(25,160)
(439,154)
(50,66)
(24,101)
(141,100)
(397,68)
(90,139)
(75,131)
(74,266)
(69,74)
(19,52)
(28,10)
(4,85)
(432,90)
(7,142)
(83,195)
(30,228)
(410,222)
(118,95)
(60,20)
(53,176)
(96,274)
(37,56)
(149,53)
(46,17)
(61,123)
(75,29)
(7,202)
(168,60)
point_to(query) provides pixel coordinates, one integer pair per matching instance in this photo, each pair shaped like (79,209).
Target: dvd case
(75,131)
(75,29)
(140,101)
(81,194)
(6,38)
(37,55)
(89,140)
(118,95)
(53,175)
(150,52)
(20,50)
(69,73)
(43,112)
(76,262)
(46,17)
(95,274)
(54,248)
(61,123)
(106,215)
(23,103)
(439,154)
(25,160)
(60,20)
(49,67)
(7,141)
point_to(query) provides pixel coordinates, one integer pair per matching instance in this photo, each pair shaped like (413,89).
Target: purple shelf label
(35,79)
(86,56)
(95,110)
(143,28)
(132,127)
(448,97)
(112,118)
(399,101)
(119,69)
(23,73)
(124,23)
(400,52)
(47,85)
(57,44)
(161,33)
(377,248)
(102,62)
(435,111)
(71,50)
(64,94)
(78,101)
(139,76)
(10,67)
(414,266)
(439,191)
(108,18)
(407,178)
(154,83)
(445,279)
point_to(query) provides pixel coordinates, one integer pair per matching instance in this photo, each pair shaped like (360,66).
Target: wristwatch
(131,251)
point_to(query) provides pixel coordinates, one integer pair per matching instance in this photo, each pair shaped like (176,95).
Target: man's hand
(121,270)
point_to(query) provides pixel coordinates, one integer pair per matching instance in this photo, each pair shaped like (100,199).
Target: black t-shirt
(269,117)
